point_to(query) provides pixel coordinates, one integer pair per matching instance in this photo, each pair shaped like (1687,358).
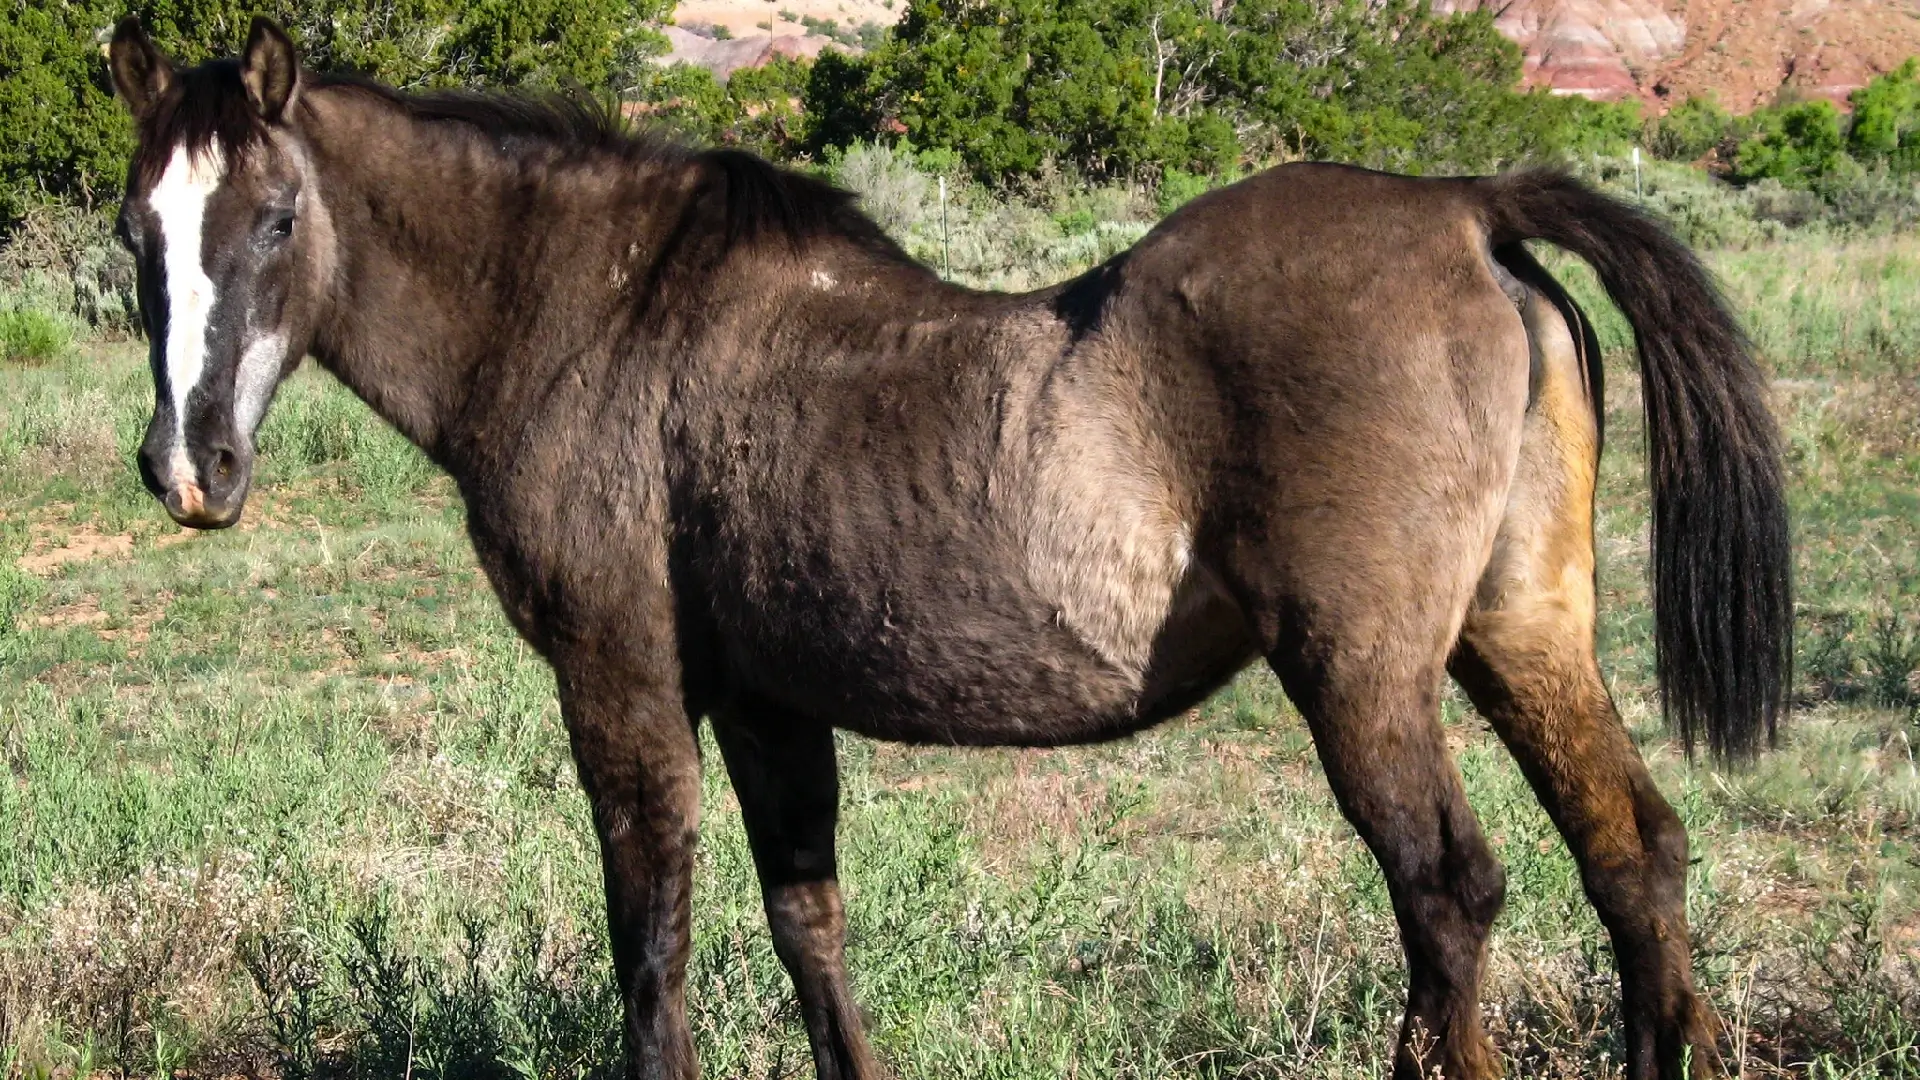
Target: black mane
(572,119)
(208,106)
(763,200)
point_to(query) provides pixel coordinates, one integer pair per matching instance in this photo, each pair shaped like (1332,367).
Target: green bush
(756,109)
(1690,130)
(685,98)
(1876,197)
(1599,127)
(61,132)
(1886,119)
(30,336)
(765,104)
(839,101)
(1179,187)
(1795,144)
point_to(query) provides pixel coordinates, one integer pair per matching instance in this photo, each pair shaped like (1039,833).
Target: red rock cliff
(1743,51)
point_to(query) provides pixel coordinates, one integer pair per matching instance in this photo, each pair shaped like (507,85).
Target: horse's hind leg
(1375,718)
(1526,657)
(783,771)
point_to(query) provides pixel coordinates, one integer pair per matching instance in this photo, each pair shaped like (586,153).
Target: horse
(730,456)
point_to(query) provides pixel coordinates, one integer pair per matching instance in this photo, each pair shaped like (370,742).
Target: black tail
(1722,562)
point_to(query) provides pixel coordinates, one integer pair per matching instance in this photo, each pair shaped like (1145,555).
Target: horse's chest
(573,564)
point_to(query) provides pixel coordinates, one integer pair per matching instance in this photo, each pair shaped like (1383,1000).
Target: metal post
(1636,174)
(946,256)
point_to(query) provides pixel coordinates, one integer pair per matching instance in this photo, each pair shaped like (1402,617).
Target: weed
(1893,661)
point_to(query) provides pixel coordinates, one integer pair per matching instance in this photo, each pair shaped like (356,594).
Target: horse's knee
(1481,886)
(808,923)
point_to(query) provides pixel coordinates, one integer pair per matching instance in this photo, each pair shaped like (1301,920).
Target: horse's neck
(447,272)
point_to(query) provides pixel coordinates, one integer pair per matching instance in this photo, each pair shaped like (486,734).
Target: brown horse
(727,453)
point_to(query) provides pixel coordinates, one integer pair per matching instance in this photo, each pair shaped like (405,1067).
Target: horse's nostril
(224,461)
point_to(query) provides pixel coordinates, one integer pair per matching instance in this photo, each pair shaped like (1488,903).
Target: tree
(1123,87)
(1093,84)
(62,134)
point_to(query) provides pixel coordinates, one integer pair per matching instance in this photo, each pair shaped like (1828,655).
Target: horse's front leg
(784,772)
(639,762)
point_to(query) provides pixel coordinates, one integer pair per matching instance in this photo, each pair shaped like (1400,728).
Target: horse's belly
(971,660)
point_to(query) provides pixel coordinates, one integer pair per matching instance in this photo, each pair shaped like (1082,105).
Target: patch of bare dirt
(82,612)
(133,631)
(52,547)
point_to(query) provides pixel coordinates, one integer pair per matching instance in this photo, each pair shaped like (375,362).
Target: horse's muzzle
(188,506)
(216,504)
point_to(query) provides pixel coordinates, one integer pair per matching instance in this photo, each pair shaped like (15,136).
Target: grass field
(293,800)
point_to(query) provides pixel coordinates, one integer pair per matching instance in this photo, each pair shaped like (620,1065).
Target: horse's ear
(270,69)
(141,73)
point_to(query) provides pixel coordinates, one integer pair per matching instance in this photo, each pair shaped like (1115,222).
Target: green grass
(292,798)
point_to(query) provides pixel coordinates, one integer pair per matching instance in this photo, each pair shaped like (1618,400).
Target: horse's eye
(283,226)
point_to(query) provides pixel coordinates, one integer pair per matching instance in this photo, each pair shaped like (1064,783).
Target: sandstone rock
(1594,48)
(1744,52)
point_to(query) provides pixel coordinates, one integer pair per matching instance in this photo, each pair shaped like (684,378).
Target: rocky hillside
(1661,51)
(1743,51)
(726,35)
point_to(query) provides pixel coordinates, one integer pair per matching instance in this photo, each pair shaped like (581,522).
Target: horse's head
(232,246)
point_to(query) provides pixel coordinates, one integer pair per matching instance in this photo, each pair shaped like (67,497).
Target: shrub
(758,108)
(63,258)
(30,336)
(1886,119)
(892,190)
(684,97)
(839,101)
(1179,187)
(1598,127)
(1876,197)
(1796,144)
(61,132)
(1690,130)
(765,106)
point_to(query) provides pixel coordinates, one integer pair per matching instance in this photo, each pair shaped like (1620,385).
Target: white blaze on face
(179,200)
(254,380)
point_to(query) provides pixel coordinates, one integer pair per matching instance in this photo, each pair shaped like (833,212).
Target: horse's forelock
(205,110)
